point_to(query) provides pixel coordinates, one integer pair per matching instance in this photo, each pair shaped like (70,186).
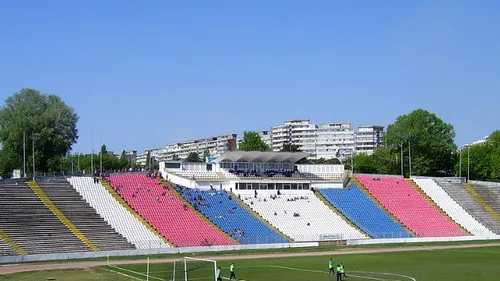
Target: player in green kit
(342,270)
(339,274)
(330,267)
(231,269)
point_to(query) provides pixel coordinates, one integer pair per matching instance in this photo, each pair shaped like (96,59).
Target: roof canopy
(256,156)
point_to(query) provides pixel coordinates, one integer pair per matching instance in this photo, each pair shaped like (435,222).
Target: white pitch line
(123,274)
(133,271)
(364,277)
(387,273)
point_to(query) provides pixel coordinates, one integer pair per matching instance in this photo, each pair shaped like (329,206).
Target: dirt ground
(15,268)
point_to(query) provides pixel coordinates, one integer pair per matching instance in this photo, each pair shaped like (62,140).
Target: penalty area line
(358,276)
(122,274)
(135,272)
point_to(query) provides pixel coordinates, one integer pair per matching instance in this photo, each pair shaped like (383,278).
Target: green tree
(253,142)
(47,122)
(386,161)
(289,147)
(364,163)
(193,157)
(123,162)
(206,154)
(148,158)
(484,159)
(433,149)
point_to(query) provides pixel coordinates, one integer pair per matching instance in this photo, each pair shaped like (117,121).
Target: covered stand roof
(256,156)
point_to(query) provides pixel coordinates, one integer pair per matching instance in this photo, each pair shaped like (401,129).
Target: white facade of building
(266,137)
(216,146)
(335,140)
(299,132)
(329,140)
(368,138)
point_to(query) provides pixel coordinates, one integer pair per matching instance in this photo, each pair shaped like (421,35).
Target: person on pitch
(231,270)
(217,274)
(331,268)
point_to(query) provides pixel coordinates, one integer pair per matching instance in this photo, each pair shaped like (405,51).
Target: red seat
(410,207)
(165,212)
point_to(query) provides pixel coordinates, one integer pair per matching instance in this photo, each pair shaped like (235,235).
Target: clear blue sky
(146,73)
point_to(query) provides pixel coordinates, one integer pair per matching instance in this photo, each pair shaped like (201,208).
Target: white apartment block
(266,137)
(329,140)
(300,132)
(368,138)
(335,140)
(216,146)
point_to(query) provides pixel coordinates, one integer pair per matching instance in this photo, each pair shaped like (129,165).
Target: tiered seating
(362,211)
(84,217)
(199,175)
(31,225)
(410,207)
(452,208)
(302,217)
(6,250)
(229,216)
(165,212)
(115,214)
(471,205)
(491,195)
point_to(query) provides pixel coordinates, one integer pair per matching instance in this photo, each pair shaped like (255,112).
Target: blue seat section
(230,216)
(362,211)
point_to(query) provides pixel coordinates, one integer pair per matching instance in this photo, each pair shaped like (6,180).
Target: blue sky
(145,73)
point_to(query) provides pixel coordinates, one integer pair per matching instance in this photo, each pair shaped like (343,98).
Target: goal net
(199,269)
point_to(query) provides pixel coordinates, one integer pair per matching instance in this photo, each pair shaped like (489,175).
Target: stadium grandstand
(239,198)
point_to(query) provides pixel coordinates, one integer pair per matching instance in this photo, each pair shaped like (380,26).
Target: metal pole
(100,154)
(468,163)
(92,155)
(460,164)
(33,150)
(147,271)
(72,166)
(402,165)
(78,162)
(24,154)
(409,155)
(352,163)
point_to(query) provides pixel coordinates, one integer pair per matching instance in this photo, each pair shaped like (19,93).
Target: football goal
(199,269)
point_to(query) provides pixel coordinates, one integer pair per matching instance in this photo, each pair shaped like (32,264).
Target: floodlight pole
(402,164)
(92,154)
(100,155)
(460,163)
(468,163)
(33,151)
(409,156)
(24,154)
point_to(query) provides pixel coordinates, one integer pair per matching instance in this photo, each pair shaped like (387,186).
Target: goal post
(199,269)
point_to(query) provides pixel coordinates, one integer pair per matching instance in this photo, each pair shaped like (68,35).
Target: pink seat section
(165,212)
(410,207)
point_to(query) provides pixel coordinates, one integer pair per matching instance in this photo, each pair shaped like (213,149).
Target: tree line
(420,136)
(42,128)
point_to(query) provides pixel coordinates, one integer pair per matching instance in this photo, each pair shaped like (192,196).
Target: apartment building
(368,138)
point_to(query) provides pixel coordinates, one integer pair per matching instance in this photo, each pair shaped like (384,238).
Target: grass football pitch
(481,264)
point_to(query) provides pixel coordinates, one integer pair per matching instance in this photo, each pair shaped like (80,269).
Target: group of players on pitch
(340,270)
(332,271)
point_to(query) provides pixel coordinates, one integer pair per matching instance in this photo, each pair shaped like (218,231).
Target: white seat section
(117,216)
(452,208)
(313,221)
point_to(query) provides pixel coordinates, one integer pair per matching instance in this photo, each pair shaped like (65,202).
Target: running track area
(15,268)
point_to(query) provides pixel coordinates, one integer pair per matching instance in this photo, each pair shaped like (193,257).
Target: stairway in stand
(31,225)
(83,216)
